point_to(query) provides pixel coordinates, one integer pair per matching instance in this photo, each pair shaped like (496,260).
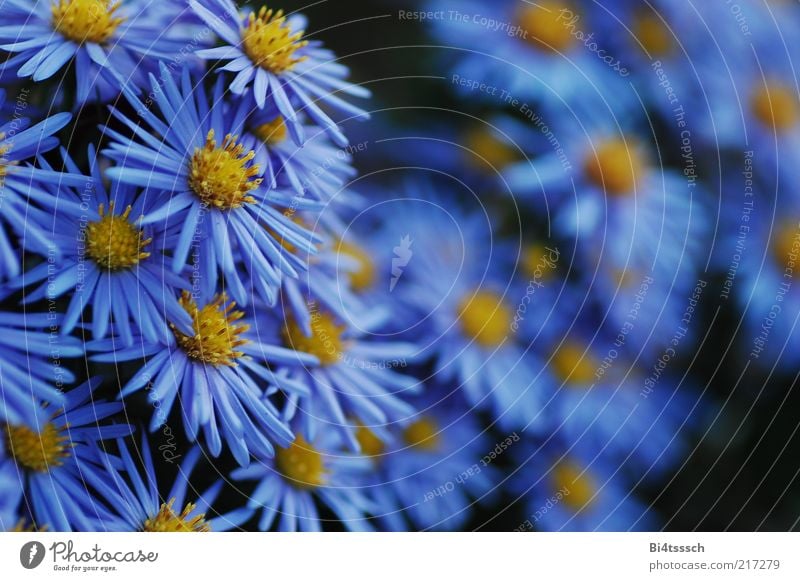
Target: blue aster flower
(210,187)
(31,365)
(272,61)
(132,496)
(214,374)
(457,284)
(430,471)
(107,260)
(51,459)
(21,183)
(350,374)
(566,489)
(306,476)
(112,43)
(527,51)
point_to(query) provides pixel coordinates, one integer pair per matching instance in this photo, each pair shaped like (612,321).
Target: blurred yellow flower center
(485,318)
(301,464)
(482,143)
(168,521)
(577,486)
(653,34)
(216,331)
(37,451)
(546,23)
(4,163)
(86,20)
(573,365)
(370,444)
(269,42)
(363,276)
(786,244)
(776,106)
(273,132)
(424,434)
(615,165)
(325,342)
(221,176)
(113,242)
(537,263)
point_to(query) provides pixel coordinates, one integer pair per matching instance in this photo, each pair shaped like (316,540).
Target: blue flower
(213,372)
(107,260)
(113,43)
(31,353)
(10,500)
(306,473)
(51,458)
(566,489)
(210,187)
(267,53)
(21,183)
(465,304)
(429,471)
(132,496)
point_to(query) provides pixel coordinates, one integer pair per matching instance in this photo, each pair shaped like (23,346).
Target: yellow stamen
(573,365)
(269,42)
(363,277)
(273,132)
(168,521)
(216,332)
(653,34)
(537,263)
(547,25)
(113,242)
(786,244)
(424,434)
(370,444)
(577,486)
(776,106)
(86,20)
(481,142)
(38,451)
(616,165)
(301,464)
(221,176)
(325,342)
(485,318)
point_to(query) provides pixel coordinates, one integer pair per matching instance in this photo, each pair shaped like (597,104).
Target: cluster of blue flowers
(504,327)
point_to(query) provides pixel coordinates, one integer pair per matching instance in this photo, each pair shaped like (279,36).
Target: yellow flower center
(481,142)
(5,148)
(325,342)
(221,176)
(537,263)
(546,23)
(573,365)
(216,332)
(424,434)
(86,20)
(363,277)
(301,464)
(113,242)
(776,106)
(786,243)
(577,486)
(168,521)
(273,132)
(37,451)
(615,165)
(653,34)
(371,445)
(485,318)
(268,40)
